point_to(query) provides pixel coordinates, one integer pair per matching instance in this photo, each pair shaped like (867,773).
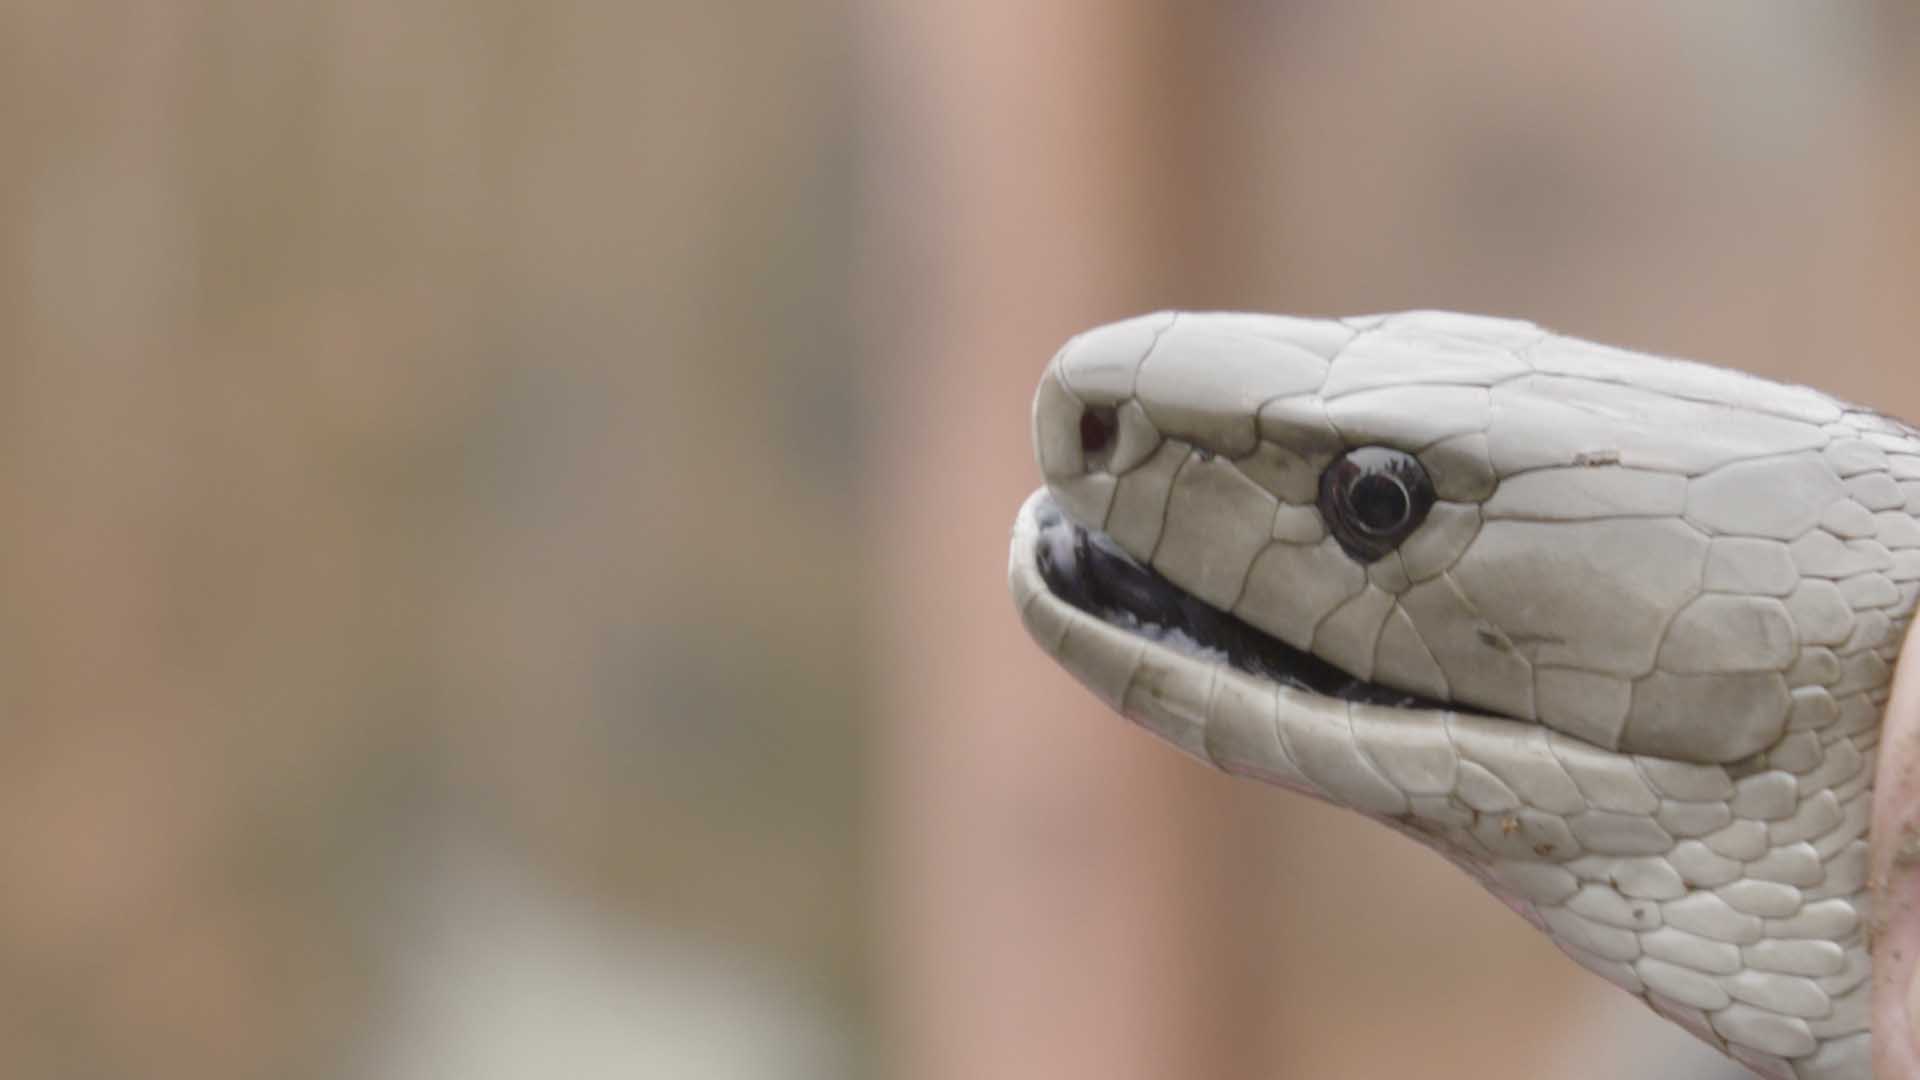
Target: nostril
(1096,430)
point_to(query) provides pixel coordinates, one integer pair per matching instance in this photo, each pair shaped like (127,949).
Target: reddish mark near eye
(1095,431)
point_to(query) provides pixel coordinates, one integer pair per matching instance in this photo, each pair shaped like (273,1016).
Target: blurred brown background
(505,509)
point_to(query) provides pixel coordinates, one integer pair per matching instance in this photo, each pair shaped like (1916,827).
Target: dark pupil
(1379,503)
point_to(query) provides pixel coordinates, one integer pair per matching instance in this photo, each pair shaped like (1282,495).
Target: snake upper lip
(1087,570)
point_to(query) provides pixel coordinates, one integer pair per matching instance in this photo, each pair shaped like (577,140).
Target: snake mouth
(1087,570)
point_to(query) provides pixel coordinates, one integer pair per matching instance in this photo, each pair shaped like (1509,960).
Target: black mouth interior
(1091,572)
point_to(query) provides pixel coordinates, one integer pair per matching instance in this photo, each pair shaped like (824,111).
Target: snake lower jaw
(1621,859)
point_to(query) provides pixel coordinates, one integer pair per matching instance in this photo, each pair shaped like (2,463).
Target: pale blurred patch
(502,977)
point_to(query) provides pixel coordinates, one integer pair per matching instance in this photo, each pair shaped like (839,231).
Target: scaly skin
(1671,596)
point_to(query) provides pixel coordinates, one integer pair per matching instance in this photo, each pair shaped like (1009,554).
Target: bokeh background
(504,509)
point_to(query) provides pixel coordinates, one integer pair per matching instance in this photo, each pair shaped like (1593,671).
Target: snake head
(1611,632)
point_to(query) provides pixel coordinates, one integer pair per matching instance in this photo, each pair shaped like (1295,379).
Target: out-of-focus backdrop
(505,508)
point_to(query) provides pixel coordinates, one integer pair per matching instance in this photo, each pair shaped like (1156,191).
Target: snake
(1611,632)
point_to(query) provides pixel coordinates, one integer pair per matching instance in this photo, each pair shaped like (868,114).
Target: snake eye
(1373,498)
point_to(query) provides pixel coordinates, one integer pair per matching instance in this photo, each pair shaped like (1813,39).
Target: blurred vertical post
(1045,897)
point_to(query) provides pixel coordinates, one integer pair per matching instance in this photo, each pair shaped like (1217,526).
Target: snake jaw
(1091,572)
(1627,674)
